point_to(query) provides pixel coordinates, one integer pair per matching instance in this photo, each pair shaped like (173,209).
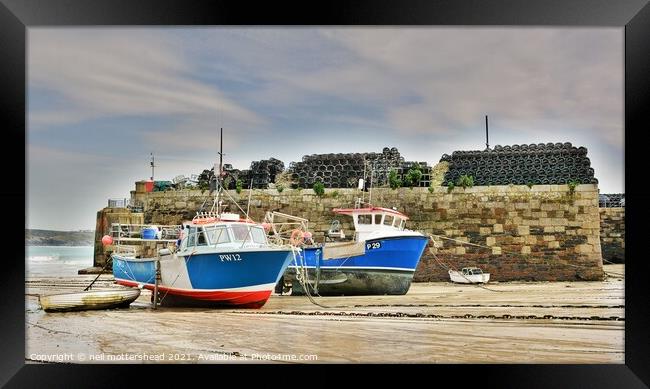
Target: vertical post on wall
(487,139)
(152,166)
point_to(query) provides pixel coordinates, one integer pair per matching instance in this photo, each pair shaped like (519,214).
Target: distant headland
(59,238)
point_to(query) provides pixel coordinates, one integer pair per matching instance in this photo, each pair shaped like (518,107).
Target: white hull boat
(92,299)
(469,275)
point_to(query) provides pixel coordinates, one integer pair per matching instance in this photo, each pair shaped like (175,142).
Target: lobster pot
(343,170)
(541,163)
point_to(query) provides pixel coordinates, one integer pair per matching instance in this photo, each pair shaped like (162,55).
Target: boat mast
(370,189)
(363,187)
(217,173)
(221,153)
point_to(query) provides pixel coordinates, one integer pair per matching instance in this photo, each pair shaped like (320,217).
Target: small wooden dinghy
(92,299)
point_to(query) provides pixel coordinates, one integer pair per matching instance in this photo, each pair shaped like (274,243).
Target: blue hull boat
(219,263)
(381,260)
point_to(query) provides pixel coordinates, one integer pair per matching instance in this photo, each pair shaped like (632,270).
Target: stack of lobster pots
(345,170)
(532,164)
(611,200)
(263,172)
(260,174)
(405,167)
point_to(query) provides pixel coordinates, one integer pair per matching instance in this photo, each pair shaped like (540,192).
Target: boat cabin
(470,271)
(226,231)
(374,219)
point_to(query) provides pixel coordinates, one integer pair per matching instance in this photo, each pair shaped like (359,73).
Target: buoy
(297,238)
(106,240)
(307,235)
(266,226)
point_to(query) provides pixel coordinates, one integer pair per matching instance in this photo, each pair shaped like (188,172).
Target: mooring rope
(446,267)
(100,273)
(177,276)
(303,277)
(505,253)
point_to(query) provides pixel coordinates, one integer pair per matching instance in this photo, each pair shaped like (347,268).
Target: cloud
(522,75)
(101,99)
(102,73)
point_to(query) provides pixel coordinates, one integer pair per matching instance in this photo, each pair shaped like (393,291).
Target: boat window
(378,219)
(191,237)
(365,219)
(240,232)
(201,241)
(217,235)
(402,224)
(258,235)
(388,220)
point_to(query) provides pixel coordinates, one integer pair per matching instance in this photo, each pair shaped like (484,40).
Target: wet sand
(527,322)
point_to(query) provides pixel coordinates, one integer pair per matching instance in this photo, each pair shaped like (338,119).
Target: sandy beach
(513,322)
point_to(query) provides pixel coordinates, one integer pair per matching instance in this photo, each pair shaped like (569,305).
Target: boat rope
(204,201)
(237,204)
(100,273)
(189,258)
(509,253)
(129,273)
(342,263)
(448,268)
(303,277)
(434,316)
(611,272)
(48,329)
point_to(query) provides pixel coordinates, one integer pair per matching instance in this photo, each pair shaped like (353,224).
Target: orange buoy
(107,239)
(297,238)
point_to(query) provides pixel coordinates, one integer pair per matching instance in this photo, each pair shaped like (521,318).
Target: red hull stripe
(230,298)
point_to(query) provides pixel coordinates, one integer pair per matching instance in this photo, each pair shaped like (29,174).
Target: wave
(42,258)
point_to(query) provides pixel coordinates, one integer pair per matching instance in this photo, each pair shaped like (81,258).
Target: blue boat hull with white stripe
(387,267)
(245,278)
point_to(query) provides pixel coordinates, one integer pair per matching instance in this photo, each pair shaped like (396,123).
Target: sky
(100,100)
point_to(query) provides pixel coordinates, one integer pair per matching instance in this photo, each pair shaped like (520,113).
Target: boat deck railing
(135,232)
(283,227)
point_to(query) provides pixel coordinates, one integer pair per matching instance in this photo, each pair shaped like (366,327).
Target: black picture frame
(632,15)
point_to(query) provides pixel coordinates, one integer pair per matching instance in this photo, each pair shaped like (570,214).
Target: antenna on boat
(370,189)
(250,193)
(362,185)
(217,174)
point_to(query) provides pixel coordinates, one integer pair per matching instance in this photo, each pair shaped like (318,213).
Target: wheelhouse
(470,271)
(218,234)
(373,219)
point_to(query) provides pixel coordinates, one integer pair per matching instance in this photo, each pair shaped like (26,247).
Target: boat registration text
(230,257)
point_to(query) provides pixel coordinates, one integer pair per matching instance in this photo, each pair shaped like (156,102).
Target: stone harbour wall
(543,232)
(612,234)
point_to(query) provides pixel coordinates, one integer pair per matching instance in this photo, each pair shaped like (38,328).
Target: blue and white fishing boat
(380,260)
(222,260)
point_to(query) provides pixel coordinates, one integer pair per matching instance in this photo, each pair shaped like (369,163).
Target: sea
(57,261)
